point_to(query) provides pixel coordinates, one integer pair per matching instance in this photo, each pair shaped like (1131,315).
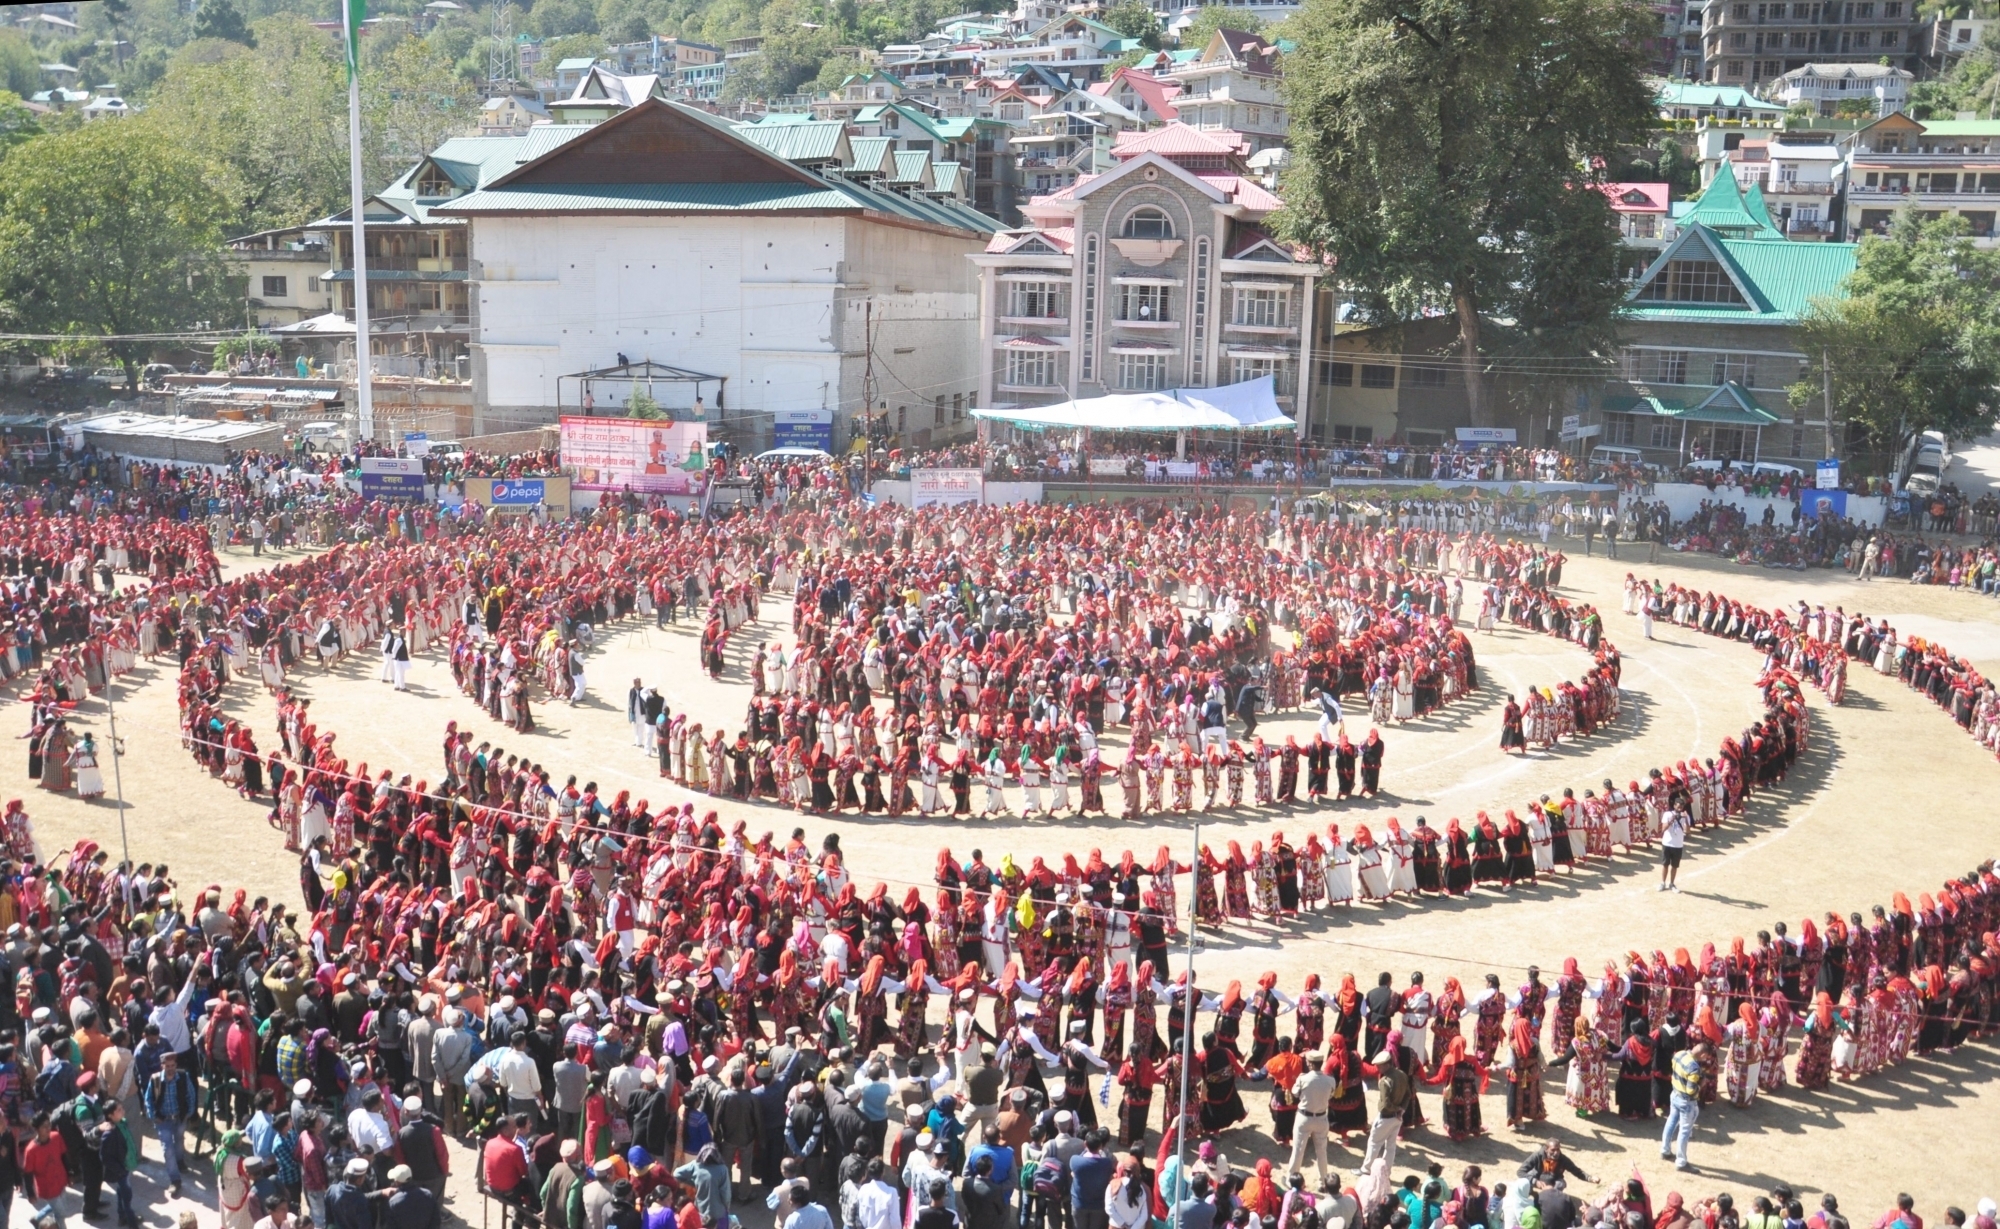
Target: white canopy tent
(1249,406)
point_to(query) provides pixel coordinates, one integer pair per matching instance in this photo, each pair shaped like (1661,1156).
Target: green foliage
(20,64)
(1440,155)
(571,47)
(1915,344)
(556,18)
(222,19)
(835,71)
(144,257)
(1135,19)
(229,349)
(641,405)
(1212,17)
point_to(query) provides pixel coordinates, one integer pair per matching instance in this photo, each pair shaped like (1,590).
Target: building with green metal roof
(1711,346)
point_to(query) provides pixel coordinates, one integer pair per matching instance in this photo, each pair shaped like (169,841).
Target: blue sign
(802,429)
(518,491)
(1829,503)
(393,486)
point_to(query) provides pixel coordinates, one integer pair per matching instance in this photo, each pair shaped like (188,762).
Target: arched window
(1147,223)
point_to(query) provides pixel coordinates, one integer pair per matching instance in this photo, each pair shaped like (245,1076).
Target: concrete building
(1799,177)
(1158,274)
(666,234)
(1933,166)
(1881,89)
(1233,86)
(284,274)
(1754,42)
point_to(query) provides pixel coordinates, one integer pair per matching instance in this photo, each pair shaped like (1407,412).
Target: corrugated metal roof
(1784,278)
(912,166)
(535,142)
(945,176)
(815,141)
(869,154)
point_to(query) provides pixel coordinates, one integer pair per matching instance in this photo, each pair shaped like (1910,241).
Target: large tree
(1914,343)
(113,231)
(1447,155)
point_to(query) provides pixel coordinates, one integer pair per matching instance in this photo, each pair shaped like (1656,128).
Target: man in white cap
(347,1202)
(412,1206)
(563,1178)
(422,1146)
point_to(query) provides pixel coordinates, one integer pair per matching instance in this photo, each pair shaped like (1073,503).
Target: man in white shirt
(520,1077)
(1674,826)
(368,1130)
(876,1205)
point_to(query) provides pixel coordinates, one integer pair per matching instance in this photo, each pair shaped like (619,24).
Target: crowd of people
(641,1014)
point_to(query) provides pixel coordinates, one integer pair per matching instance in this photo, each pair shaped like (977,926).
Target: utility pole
(352,13)
(1188,995)
(117,771)
(1826,389)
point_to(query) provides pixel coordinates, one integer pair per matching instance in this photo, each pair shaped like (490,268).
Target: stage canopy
(1249,406)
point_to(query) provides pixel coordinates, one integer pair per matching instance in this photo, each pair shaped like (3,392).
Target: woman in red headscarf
(1775,1028)
(1745,1054)
(1464,1081)
(1586,1089)
(1235,884)
(1524,1076)
(1347,1110)
(1207,906)
(1822,1025)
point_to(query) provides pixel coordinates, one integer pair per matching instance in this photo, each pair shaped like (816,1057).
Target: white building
(1826,86)
(665,234)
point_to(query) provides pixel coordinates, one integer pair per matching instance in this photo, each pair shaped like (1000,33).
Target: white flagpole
(364,389)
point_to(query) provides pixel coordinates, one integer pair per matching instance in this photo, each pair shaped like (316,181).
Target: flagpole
(351,12)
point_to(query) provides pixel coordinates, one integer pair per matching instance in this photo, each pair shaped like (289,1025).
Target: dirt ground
(1886,799)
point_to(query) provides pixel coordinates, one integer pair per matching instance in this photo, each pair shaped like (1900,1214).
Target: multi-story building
(1953,32)
(1752,42)
(1712,347)
(1073,43)
(1933,166)
(1645,221)
(1157,274)
(666,234)
(284,274)
(1875,89)
(1798,177)
(1233,86)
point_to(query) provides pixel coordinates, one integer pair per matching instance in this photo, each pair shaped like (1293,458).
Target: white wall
(776,306)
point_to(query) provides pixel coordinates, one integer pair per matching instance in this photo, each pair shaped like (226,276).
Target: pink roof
(1178,138)
(1246,192)
(1156,93)
(1061,238)
(1657,197)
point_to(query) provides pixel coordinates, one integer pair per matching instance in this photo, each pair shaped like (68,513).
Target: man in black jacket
(984,1203)
(421,1142)
(738,1123)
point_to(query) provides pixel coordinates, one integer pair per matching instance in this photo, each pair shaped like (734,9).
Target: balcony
(1040,324)
(1786,187)
(1151,325)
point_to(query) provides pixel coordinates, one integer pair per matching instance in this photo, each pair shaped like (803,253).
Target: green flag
(355,12)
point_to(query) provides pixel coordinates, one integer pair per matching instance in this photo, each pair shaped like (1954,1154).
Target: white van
(1615,454)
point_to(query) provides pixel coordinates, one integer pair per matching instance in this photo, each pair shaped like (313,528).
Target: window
(1145,304)
(1661,435)
(1147,223)
(1741,368)
(1257,369)
(1861,39)
(1618,429)
(1344,434)
(1424,373)
(1738,42)
(1036,300)
(1142,372)
(1373,376)
(1733,68)
(1031,368)
(1691,281)
(937,412)
(1890,38)
(274,287)
(312,285)
(1260,309)
(1338,374)
(1673,366)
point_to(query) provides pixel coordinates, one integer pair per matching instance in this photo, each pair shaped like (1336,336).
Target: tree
(1135,19)
(20,66)
(1212,17)
(143,256)
(222,19)
(1914,345)
(641,405)
(1443,160)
